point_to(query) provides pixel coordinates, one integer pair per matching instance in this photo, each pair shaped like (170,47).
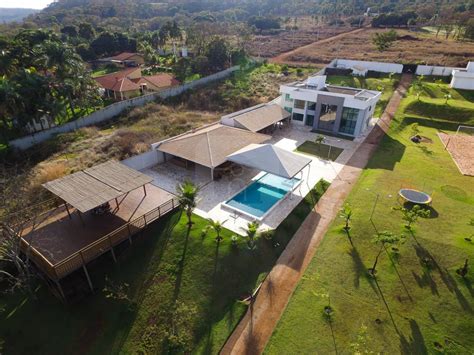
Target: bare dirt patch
(410,47)
(461,148)
(268,46)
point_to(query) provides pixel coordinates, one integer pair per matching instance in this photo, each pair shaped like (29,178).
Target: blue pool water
(261,195)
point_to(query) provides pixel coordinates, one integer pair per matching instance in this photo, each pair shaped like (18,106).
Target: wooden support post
(80,217)
(144,189)
(87,274)
(112,250)
(129,234)
(67,209)
(58,284)
(118,205)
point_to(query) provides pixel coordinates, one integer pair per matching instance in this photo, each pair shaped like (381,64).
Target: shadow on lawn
(427,259)
(416,343)
(393,152)
(361,270)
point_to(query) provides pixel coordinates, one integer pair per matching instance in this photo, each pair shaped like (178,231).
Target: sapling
(252,234)
(384,238)
(410,216)
(346,214)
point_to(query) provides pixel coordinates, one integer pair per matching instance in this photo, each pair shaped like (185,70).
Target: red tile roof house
(129,83)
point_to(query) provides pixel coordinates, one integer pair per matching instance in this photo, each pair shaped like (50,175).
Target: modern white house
(329,108)
(463,78)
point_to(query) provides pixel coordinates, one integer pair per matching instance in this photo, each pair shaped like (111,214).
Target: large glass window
(299,104)
(288,97)
(309,120)
(327,117)
(298,116)
(311,106)
(349,120)
(289,109)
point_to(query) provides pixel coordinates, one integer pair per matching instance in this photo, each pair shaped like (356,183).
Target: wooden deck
(60,245)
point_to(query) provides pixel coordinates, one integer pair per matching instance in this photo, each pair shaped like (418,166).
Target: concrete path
(255,329)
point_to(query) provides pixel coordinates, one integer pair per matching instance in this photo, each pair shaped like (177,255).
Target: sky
(29,4)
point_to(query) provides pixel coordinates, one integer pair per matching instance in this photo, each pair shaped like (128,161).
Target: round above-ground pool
(415,196)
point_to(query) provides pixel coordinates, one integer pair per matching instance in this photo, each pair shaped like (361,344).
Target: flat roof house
(463,78)
(329,108)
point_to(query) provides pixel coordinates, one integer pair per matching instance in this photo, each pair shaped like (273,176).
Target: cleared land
(418,303)
(411,47)
(172,291)
(461,148)
(308,31)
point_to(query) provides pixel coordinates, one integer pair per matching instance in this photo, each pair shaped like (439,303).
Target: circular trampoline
(415,196)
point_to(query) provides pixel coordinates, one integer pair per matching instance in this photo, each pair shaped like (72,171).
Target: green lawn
(385,84)
(320,150)
(165,281)
(103,71)
(418,304)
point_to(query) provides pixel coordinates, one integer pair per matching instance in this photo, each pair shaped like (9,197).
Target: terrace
(68,237)
(214,193)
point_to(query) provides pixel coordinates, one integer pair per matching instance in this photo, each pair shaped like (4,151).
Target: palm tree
(252,234)
(187,195)
(346,214)
(319,140)
(217,227)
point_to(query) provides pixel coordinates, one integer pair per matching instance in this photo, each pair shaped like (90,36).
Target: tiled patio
(213,193)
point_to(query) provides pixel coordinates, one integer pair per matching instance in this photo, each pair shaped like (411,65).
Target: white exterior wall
(312,95)
(144,160)
(434,70)
(462,80)
(375,66)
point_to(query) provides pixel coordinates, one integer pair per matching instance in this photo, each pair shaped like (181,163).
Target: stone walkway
(255,329)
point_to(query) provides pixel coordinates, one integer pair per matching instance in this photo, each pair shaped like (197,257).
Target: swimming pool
(258,198)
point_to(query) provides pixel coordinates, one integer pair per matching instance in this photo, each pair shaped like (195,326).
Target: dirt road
(255,329)
(284,57)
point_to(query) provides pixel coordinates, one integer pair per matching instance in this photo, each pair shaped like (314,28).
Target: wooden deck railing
(98,247)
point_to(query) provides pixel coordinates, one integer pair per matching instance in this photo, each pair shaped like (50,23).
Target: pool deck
(214,193)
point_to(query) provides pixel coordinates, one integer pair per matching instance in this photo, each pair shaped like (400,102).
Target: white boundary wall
(434,70)
(374,66)
(115,109)
(144,160)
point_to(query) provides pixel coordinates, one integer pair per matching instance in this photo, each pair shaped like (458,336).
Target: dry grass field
(308,31)
(411,47)
(272,45)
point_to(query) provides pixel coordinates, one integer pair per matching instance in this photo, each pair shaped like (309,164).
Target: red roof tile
(124,56)
(118,81)
(160,80)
